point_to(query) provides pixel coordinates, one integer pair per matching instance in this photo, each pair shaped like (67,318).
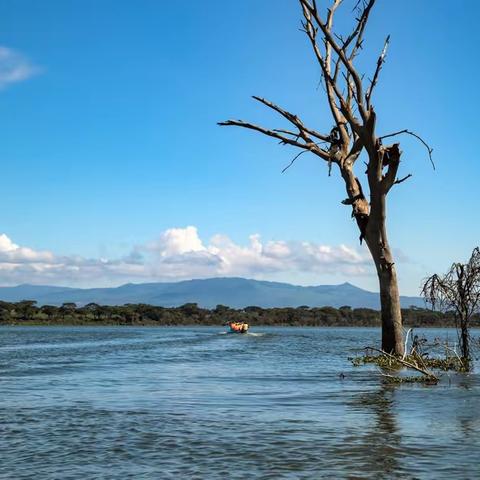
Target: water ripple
(146,403)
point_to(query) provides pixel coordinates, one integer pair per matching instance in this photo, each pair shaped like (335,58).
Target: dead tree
(349,95)
(458,291)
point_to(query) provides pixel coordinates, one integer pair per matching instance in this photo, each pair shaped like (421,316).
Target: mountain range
(208,293)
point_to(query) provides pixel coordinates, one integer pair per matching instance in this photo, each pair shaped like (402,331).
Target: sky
(114,169)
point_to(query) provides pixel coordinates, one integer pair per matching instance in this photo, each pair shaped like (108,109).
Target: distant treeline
(28,313)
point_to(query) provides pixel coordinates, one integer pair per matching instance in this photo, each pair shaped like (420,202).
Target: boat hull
(238,328)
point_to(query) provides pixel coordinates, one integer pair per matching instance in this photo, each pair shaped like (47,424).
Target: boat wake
(247,334)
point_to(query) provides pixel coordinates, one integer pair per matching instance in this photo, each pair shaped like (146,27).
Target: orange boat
(238,327)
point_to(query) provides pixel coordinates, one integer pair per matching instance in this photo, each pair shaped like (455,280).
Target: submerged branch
(423,371)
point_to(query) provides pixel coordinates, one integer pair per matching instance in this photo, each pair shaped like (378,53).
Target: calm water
(183,403)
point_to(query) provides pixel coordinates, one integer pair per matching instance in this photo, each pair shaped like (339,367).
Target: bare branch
(390,158)
(292,119)
(408,132)
(457,290)
(293,160)
(351,92)
(341,54)
(359,29)
(311,146)
(425,372)
(355,151)
(380,62)
(333,93)
(287,132)
(356,5)
(265,131)
(400,180)
(329,23)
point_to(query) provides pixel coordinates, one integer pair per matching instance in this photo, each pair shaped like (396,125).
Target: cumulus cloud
(177,241)
(14,67)
(180,253)
(13,254)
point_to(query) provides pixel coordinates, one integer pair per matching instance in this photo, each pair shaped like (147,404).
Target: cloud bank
(178,254)
(14,67)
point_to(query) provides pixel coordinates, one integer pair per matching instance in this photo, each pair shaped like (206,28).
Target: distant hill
(208,293)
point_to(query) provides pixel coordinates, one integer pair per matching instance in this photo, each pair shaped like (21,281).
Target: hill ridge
(235,292)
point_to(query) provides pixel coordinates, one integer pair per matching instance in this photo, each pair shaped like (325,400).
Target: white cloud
(177,241)
(180,253)
(14,67)
(11,253)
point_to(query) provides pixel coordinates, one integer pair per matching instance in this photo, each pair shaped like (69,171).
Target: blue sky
(110,147)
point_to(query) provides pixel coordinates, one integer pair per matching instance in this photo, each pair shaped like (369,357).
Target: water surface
(196,403)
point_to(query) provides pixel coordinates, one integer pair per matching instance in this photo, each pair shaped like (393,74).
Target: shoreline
(28,313)
(196,325)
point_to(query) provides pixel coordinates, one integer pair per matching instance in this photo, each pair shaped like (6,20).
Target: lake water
(196,403)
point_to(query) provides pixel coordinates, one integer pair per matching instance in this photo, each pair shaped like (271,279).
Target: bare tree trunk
(371,223)
(464,339)
(391,313)
(392,335)
(371,218)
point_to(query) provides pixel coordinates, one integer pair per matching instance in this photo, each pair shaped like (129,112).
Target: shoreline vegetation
(28,313)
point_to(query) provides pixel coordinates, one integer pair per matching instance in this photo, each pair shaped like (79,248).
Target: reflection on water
(381,439)
(284,403)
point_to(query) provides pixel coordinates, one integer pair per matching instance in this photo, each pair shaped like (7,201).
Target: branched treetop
(349,99)
(458,289)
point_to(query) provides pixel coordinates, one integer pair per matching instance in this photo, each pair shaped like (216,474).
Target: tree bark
(371,221)
(391,313)
(464,339)
(392,334)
